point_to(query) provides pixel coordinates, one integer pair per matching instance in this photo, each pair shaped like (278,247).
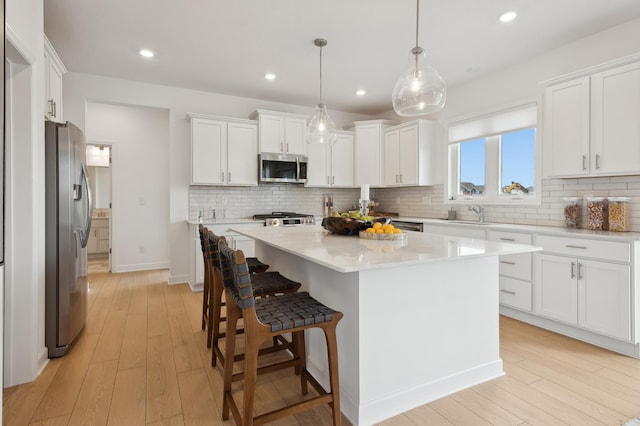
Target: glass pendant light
(320,127)
(420,89)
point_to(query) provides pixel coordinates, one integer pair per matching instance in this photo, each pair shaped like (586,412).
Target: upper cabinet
(369,151)
(331,165)
(410,154)
(224,151)
(54,70)
(591,125)
(281,132)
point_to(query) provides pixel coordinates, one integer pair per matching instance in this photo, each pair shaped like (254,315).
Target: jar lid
(619,199)
(595,198)
(570,198)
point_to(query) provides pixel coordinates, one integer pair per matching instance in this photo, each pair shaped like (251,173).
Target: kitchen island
(420,316)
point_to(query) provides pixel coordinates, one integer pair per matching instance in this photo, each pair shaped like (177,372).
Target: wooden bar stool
(267,284)
(265,319)
(255,266)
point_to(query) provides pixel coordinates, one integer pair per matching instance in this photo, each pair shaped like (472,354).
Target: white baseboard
(133,267)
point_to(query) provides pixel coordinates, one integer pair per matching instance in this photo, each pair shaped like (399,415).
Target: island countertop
(351,253)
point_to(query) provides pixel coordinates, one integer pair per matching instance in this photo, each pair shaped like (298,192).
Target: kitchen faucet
(479,210)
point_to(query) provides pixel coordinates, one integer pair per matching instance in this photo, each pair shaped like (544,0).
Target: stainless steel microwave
(283,167)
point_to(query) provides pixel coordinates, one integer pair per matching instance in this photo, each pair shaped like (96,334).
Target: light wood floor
(142,359)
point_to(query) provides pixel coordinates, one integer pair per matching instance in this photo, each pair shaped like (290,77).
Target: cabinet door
(566,129)
(242,154)
(208,151)
(55,92)
(408,156)
(604,298)
(272,133)
(368,152)
(342,162)
(392,158)
(318,166)
(557,287)
(615,126)
(295,131)
(92,242)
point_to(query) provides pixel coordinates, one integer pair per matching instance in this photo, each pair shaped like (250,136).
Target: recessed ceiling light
(508,16)
(361,92)
(147,53)
(270,76)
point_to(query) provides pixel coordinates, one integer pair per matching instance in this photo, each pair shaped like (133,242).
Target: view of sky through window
(518,154)
(472,163)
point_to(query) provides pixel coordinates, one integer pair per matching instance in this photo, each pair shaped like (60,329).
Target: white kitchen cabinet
(331,165)
(98,242)
(369,152)
(223,151)
(591,125)
(282,132)
(615,127)
(409,154)
(54,70)
(515,271)
(591,294)
(234,240)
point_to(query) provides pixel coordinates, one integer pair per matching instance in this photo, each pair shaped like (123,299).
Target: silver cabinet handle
(327,180)
(584,162)
(508,291)
(580,270)
(333,180)
(576,247)
(221,176)
(597,161)
(281,147)
(287,147)
(400,177)
(55,109)
(507,263)
(50,112)
(228,177)
(507,239)
(573,269)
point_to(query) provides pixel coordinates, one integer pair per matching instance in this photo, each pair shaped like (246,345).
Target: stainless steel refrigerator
(67,225)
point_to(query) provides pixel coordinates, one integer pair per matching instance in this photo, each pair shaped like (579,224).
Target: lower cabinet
(515,271)
(591,294)
(235,241)
(98,243)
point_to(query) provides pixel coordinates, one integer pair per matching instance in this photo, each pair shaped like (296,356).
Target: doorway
(99,169)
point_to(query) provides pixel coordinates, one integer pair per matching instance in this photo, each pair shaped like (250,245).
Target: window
(493,159)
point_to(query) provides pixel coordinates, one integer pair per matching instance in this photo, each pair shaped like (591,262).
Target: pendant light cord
(417,19)
(320,74)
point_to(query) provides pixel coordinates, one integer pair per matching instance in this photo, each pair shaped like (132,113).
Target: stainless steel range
(285,219)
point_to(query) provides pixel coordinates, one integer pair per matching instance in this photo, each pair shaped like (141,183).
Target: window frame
(492,191)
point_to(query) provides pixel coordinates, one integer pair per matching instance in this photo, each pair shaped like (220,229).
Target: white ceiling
(226,46)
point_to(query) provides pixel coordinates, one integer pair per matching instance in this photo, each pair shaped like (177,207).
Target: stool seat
(255,265)
(291,310)
(272,282)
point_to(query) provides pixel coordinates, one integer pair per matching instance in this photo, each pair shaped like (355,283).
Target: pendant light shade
(420,90)
(320,127)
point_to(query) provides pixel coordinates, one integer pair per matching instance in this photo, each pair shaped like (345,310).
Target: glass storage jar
(572,212)
(618,213)
(597,213)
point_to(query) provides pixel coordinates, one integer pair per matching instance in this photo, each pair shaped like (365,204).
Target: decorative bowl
(349,225)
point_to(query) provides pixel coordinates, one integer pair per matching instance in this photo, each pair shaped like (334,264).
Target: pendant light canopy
(320,127)
(420,89)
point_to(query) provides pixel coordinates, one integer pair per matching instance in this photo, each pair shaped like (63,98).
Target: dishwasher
(406,225)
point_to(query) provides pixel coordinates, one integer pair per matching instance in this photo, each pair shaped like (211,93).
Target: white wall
(140,161)
(24,351)
(82,89)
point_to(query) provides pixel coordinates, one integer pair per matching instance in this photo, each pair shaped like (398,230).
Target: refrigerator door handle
(84,234)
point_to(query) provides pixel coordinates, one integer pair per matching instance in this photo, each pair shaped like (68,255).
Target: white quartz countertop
(350,253)
(549,230)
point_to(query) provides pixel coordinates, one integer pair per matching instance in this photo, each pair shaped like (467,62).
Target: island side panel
(339,291)
(426,331)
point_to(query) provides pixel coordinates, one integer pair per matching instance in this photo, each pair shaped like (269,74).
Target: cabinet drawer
(514,265)
(582,247)
(515,293)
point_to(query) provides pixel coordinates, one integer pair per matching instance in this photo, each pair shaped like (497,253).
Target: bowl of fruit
(350,223)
